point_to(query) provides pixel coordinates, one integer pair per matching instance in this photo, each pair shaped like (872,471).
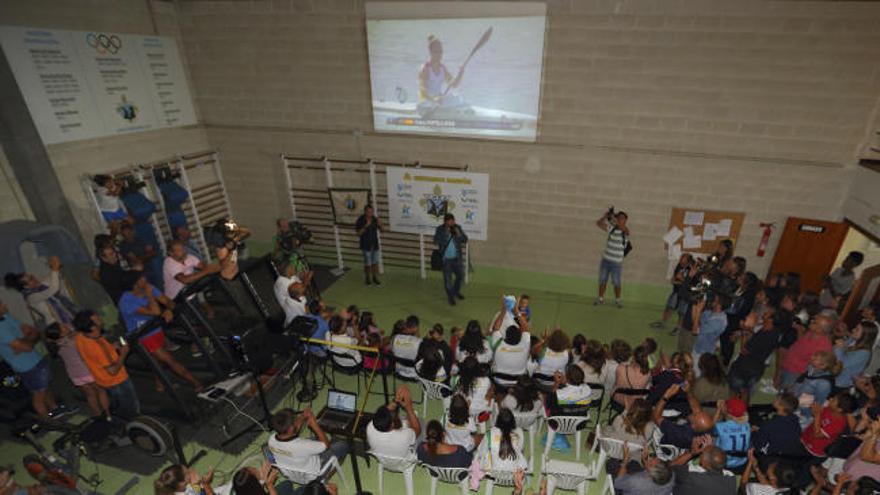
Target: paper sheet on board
(693,218)
(672,236)
(710,231)
(722,228)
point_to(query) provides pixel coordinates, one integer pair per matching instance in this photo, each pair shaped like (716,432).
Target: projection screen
(468,69)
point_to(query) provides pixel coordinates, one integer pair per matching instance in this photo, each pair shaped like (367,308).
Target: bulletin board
(700,231)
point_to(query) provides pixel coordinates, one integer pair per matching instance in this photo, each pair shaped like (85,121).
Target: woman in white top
(431,366)
(473,382)
(45,297)
(597,368)
(343,356)
(473,343)
(554,355)
(505,450)
(405,345)
(512,356)
(461,429)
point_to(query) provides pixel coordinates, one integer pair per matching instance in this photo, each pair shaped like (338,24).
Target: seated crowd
(688,414)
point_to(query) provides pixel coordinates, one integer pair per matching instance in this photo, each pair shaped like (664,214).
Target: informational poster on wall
(84,84)
(419,198)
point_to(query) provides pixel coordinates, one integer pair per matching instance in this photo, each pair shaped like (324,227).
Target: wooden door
(863,294)
(808,247)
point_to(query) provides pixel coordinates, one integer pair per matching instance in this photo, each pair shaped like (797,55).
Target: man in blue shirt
(17,348)
(709,327)
(449,239)
(781,434)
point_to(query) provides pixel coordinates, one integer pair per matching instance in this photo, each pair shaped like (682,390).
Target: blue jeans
(452,267)
(124,400)
(612,269)
(37,378)
(371,257)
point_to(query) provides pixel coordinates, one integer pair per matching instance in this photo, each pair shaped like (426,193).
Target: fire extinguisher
(765,239)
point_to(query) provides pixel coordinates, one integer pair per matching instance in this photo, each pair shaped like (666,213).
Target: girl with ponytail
(434,451)
(505,444)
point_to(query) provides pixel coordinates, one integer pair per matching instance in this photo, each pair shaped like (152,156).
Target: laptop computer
(340,410)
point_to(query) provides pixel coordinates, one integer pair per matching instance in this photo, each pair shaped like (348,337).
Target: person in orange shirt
(106,362)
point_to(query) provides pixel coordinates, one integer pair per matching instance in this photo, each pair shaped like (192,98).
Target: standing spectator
(17,348)
(45,297)
(838,285)
(816,339)
(106,363)
(138,306)
(709,326)
(741,305)
(615,250)
(449,239)
(675,303)
(112,276)
(854,353)
(368,228)
(140,253)
(61,337)
(756,347)
(292,451)
(387,434)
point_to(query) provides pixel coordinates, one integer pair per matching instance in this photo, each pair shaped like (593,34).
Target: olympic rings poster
(418,198)
(88,84)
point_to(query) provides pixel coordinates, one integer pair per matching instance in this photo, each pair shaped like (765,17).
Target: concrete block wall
(754,106)
(13,205)
(72,160)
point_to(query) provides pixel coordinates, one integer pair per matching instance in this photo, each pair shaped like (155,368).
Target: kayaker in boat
(434,75)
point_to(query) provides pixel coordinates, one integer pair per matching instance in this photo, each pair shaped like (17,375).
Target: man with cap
(734,433)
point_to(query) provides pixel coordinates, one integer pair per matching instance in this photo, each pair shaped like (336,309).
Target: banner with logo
(88,84)
(348,204)
(419,198)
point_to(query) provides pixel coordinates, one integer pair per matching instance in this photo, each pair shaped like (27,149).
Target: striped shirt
(615,245)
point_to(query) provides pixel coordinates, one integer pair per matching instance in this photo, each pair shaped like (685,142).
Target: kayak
(453,119)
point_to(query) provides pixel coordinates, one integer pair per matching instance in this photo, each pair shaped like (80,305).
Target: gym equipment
(61,469)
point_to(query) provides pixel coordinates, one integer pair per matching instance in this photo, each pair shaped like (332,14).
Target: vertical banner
(418,198)
(348,204)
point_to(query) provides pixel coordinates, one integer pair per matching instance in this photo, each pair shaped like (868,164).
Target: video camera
(224,230)
(709,280)
(296,235)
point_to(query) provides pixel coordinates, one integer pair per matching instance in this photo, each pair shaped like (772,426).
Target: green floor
(565,301)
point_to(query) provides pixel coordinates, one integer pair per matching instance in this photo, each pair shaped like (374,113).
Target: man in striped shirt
(612,259)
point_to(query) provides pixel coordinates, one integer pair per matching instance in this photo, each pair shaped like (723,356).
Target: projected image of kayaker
(434,76)
(435,80)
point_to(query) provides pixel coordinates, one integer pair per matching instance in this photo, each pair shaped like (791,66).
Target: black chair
(595,406)
(346,364)
(407,363)
(614,408)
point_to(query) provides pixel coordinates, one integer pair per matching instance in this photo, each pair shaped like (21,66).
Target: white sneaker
(599,301)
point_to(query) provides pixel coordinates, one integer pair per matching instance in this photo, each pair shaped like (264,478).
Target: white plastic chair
(530,421)
(305,477)
(608,489)
(432,390)
(403,465)
(454,475)
(566,475)
(565,425)
(613,447)
(499,478)
(664,452)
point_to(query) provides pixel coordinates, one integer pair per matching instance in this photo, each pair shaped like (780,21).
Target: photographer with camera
(617,246)
(368,228)
(225,238)
(449,238)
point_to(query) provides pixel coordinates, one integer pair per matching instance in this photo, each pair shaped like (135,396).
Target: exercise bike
(61,469)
